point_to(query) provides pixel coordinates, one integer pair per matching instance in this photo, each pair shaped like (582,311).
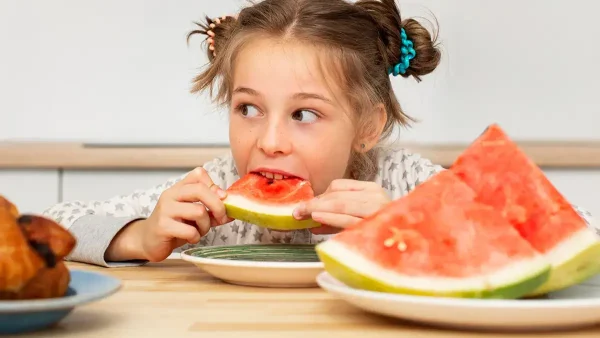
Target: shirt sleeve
(591,221)
(95,223)
(401,171)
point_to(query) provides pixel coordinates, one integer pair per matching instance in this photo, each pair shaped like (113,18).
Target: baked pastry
(32,249)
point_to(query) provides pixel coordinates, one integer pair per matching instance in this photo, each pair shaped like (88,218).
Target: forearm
(95,234)
(126,245)
(102,227)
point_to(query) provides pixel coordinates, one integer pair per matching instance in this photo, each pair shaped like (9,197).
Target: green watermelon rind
(344,272)
(262,212)
(573,268)
(280,221)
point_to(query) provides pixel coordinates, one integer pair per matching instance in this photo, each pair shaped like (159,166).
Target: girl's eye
(248,110)
(306,116)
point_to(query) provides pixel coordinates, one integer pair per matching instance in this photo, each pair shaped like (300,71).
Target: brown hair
(363,38)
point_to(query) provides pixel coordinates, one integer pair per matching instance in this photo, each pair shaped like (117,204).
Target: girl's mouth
(275,174)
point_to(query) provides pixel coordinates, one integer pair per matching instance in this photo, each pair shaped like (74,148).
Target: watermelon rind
(276,217)
(352,269)
(573,261)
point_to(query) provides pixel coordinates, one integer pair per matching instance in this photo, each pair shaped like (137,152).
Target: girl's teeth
(273,176)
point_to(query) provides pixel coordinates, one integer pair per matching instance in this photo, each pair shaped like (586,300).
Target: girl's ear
(371,129)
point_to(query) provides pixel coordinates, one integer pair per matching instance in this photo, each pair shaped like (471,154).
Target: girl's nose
(275,139)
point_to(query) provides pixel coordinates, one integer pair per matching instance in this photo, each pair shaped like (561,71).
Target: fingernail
(224,220)
(221,193)
(299,211)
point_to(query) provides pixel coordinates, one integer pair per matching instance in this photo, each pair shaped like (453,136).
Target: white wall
(96,70)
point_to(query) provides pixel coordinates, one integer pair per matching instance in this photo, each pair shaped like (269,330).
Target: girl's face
(285,118)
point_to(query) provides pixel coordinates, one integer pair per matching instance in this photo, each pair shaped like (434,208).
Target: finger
(192,224)
(335,220)
(187,211)
(192,214)
(325,230)
(200,175)
(358,204)
(201,220)
(172,228)
(203,194)
(215,223)
(203,223)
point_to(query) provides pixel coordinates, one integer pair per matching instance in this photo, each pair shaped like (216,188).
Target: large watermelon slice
(436,241)
(504,177)
(269,202)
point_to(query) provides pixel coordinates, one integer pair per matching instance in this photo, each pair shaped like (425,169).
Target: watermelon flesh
(436,241)
(506,179)
(269,202)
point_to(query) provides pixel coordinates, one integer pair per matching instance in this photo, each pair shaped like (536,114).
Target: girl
(308,86)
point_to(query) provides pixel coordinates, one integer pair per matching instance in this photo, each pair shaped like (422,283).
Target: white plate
(268,265)
(570,308)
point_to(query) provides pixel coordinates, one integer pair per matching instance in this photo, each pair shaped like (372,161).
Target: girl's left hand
(344,203)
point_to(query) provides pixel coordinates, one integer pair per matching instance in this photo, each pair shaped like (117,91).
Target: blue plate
(32,315)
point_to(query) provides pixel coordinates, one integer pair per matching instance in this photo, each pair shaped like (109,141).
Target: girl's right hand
(183,214)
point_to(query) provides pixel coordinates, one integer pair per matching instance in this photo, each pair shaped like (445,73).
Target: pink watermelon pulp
(505,178)
(438,241)
(269,202)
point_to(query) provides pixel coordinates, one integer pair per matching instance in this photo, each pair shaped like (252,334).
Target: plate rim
(503,304)
(249,264)
(63,303)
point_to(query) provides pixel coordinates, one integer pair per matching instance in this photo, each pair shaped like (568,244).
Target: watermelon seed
(396,238)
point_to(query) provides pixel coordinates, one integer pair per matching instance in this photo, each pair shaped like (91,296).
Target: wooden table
(175,299)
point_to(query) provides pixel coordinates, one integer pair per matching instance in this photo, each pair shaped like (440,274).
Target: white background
(98,70)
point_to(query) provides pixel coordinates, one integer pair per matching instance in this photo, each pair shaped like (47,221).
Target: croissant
(32,249)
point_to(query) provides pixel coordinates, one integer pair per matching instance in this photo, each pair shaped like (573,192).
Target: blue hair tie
(407,53)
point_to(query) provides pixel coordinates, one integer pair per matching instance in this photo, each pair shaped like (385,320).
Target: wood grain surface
(36,155)
(175,299)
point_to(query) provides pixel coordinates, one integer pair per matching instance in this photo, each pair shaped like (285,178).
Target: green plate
(264,265)
(288,253)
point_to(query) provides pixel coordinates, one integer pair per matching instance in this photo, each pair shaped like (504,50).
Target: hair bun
(399,36)
(427,54)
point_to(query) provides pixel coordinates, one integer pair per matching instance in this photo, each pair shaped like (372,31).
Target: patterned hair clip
(407,53)
(211,34)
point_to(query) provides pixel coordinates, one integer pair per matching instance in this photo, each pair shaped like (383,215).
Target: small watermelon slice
(436,241)
(504,177)
(267,202)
